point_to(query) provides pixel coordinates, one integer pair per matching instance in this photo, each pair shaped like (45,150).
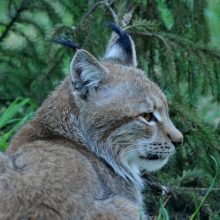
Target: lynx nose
(174,134)
(177,141)
(178,144)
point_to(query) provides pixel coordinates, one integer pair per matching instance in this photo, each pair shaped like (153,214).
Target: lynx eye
(148,116)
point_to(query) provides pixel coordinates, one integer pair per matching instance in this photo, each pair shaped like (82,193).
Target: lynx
(82,155)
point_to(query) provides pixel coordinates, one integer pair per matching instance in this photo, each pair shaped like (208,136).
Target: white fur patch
(152,165)
(114,52)
(157,115)
(135,164)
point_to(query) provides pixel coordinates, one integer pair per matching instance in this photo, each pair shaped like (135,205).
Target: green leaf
(163,213)
(165,13)
(196,213)
(11,111)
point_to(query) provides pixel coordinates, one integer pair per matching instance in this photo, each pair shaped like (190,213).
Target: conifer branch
(13,20)
(163,190)
(92,9)
(160,37)
(191,45)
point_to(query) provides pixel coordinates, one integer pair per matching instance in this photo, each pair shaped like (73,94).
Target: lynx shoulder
(82,155)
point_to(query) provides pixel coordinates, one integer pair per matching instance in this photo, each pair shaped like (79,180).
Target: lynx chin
(82,155)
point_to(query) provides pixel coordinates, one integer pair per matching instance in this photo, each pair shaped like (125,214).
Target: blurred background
(178,45)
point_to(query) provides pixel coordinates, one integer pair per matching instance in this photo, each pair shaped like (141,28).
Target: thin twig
(197,189)
(161,189)
(92,9)
(114,14)
(127,17)
(160,37)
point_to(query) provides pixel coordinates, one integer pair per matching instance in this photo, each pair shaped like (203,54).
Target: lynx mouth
(151,157)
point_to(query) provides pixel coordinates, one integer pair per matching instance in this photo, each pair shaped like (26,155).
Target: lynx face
(123,115)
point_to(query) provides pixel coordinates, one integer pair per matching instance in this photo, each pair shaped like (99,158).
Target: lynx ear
(121,47)
(86,72)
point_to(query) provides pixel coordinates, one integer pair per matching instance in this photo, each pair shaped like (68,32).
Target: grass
(195,215)
(163,215)
(13,117)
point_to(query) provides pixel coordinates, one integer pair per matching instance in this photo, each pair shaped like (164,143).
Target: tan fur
(76,159)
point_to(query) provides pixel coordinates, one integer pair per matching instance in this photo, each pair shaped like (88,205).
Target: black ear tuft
(66,42)
(115,28)
(121,48)
(123,40)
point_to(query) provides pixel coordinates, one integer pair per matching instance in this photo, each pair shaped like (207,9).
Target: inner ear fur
(87,73)
(121,48)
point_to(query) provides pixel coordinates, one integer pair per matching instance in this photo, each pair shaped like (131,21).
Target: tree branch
(114,14)
(160,37)
(92,9)
(165,190)
(13,20)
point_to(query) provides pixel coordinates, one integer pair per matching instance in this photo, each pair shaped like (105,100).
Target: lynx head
(123,116)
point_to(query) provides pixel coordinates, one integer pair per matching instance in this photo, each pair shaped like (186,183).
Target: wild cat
(81,156)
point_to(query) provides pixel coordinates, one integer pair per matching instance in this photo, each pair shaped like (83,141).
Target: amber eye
(148,116)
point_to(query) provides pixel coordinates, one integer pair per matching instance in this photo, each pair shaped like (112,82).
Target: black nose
(177,144)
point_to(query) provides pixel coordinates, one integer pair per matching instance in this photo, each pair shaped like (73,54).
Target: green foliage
(14,116)
(213,16)
(196,213)
(165,14)
(178,47)
(163,215)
